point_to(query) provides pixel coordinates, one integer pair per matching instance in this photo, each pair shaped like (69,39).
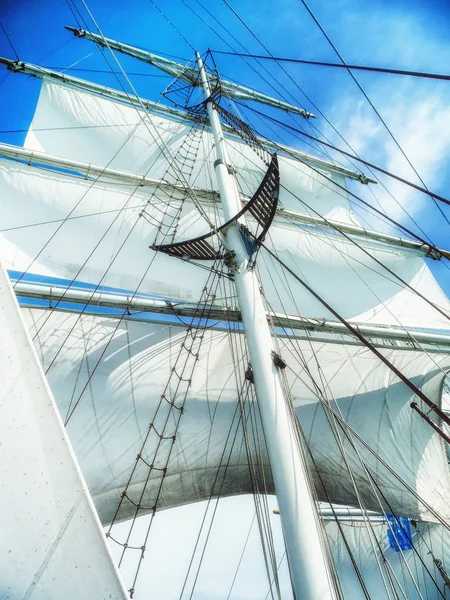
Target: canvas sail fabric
(76,124)
(103,222)
(111,418)
(350,280)
(52,545)
(368,549)
(104,241)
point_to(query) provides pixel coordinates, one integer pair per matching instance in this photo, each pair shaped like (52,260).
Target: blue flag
(399,533)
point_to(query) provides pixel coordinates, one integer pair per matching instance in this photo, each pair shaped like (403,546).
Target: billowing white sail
(409,573)
(76,124)
(120,399)
(114,378)
(104,240)
(91,232)
(52,545)
(350,280)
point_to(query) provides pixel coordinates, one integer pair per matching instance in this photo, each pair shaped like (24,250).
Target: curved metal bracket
(262,207)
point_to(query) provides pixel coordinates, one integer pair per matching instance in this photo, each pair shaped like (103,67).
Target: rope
(173,398)
(255,476)
(354,157)
(370,103)
(339,65)
(9,40)
(173,26)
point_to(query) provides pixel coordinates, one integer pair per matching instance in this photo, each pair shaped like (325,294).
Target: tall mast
(308,564)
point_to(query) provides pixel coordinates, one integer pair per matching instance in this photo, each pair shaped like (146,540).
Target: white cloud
(421,125)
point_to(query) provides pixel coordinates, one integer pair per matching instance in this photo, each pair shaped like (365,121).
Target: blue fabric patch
(399,533)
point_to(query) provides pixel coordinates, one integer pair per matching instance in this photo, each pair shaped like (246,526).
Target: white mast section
(188,74)
(308,563)
(108,92)
(210,196)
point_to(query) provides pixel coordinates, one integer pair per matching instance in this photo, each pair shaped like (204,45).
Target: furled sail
(110,418)
(51,541)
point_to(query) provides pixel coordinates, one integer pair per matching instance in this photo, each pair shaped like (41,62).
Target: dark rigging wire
(71,8)
(354,331)
(339,65)
(352,156)
(9,40)
(370,103)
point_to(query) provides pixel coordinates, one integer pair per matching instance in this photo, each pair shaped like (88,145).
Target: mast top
(171,112)
(189,74)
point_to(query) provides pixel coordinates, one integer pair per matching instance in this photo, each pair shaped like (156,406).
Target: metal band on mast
(309,568)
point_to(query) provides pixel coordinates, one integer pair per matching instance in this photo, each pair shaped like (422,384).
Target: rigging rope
(370,103)
(256,466)
(172,25)
(9,40)
(434,407)
(173,398)
(339,65)
(424,190)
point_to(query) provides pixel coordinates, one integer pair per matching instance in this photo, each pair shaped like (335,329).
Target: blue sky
(399,34)
(406,35)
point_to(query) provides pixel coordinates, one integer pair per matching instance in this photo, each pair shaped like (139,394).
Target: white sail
(76,124)
(120,399)
(109,246)
(409,570)
(334,266)
(106,215)
(52,545)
